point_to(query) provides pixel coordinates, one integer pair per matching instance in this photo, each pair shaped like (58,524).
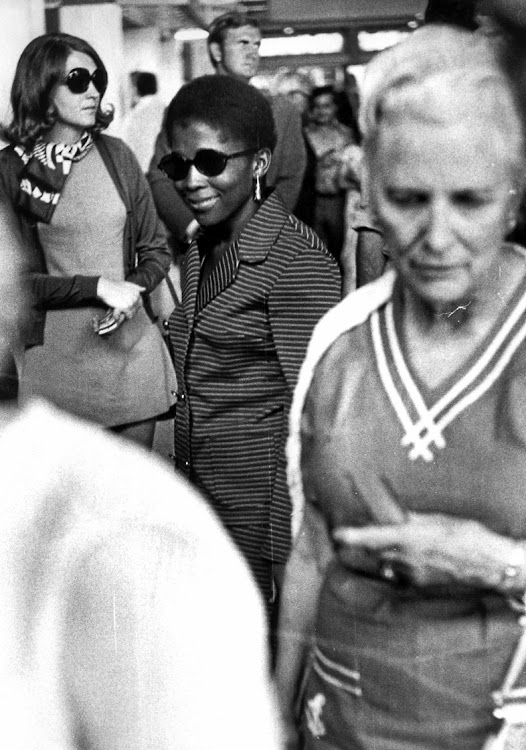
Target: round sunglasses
(207,161)
(79,79)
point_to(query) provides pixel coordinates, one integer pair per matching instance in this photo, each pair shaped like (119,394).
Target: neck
(450,317)
(221,71)
(61,133)
(482,305)
(229,230)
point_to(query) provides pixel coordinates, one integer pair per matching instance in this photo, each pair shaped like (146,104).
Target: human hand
(107,323)
(436,549)
(123,297)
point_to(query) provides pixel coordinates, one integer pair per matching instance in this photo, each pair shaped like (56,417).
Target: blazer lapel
(252,246)
(192,269)
(221,277)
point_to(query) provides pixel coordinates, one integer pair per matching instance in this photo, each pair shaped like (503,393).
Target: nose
(92,91)
(194,179)
(438,229)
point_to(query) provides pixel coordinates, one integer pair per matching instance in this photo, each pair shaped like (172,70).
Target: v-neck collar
(425,412)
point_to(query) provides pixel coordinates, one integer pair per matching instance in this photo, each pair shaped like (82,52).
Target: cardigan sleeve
(46,291)
(149,243)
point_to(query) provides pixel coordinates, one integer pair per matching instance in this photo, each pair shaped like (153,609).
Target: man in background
(141,124)
(233,46)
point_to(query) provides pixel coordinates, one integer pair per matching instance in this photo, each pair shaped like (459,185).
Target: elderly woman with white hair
(407,452)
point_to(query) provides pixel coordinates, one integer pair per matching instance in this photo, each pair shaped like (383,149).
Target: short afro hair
(232,106)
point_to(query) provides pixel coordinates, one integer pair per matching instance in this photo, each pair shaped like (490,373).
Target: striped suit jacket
(238,343)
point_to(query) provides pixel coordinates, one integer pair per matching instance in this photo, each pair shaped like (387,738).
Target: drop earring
(257,189)
(512,223)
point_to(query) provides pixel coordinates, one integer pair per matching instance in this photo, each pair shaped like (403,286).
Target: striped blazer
(239,342)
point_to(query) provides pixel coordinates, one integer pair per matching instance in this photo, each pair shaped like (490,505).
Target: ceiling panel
(169,15)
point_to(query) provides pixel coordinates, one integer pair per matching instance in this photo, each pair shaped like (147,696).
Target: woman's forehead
(78,59)
(202,131)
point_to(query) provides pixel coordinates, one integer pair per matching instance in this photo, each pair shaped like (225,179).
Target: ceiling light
(190,35)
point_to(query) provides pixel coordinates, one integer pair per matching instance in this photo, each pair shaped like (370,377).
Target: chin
(444,296)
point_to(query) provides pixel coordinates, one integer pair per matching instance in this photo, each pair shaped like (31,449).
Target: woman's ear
(262,162)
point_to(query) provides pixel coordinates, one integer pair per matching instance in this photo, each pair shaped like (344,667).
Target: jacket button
(181,396)
(187,464)
(173,393)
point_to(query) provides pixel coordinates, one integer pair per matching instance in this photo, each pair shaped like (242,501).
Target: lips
(201,203)
(435,270)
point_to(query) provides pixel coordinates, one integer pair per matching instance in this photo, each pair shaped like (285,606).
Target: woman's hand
(435,549)
(123,297)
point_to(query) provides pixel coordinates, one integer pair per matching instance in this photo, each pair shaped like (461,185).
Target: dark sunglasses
(207,161)
(78,80)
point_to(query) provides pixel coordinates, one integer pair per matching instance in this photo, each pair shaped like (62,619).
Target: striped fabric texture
(239,342)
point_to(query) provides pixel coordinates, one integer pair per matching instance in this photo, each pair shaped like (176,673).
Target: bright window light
(375,41)
(303,44)
(190,35)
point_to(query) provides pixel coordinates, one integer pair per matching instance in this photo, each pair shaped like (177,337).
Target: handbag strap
(171,287)
(517,663)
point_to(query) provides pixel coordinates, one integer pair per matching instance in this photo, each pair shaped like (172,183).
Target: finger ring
(388,572)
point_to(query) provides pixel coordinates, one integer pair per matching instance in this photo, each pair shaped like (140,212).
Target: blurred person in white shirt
(127,618)
(143,122)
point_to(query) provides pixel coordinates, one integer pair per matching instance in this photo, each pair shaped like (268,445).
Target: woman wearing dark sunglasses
(255,281)
(95,247)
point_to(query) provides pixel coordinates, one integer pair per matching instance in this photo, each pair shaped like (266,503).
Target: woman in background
(328,139)
(254,283)
(95,246)
(408,438)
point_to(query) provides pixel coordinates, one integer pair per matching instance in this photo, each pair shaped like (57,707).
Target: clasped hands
(431,549)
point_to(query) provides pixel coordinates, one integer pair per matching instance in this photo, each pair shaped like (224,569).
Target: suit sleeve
(309,287)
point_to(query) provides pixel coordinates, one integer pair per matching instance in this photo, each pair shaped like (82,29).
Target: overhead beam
(153,3)
(342,10)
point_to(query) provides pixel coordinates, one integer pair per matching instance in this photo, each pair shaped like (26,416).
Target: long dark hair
(40,68)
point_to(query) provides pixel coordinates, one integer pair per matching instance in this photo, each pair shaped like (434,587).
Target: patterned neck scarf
(44,174)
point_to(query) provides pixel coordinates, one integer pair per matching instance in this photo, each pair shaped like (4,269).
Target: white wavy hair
(440,74)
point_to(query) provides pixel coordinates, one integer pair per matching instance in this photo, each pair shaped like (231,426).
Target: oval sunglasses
(79,79)
(207,161)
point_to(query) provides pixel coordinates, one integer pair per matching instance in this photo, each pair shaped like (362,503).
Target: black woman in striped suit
(254,282)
